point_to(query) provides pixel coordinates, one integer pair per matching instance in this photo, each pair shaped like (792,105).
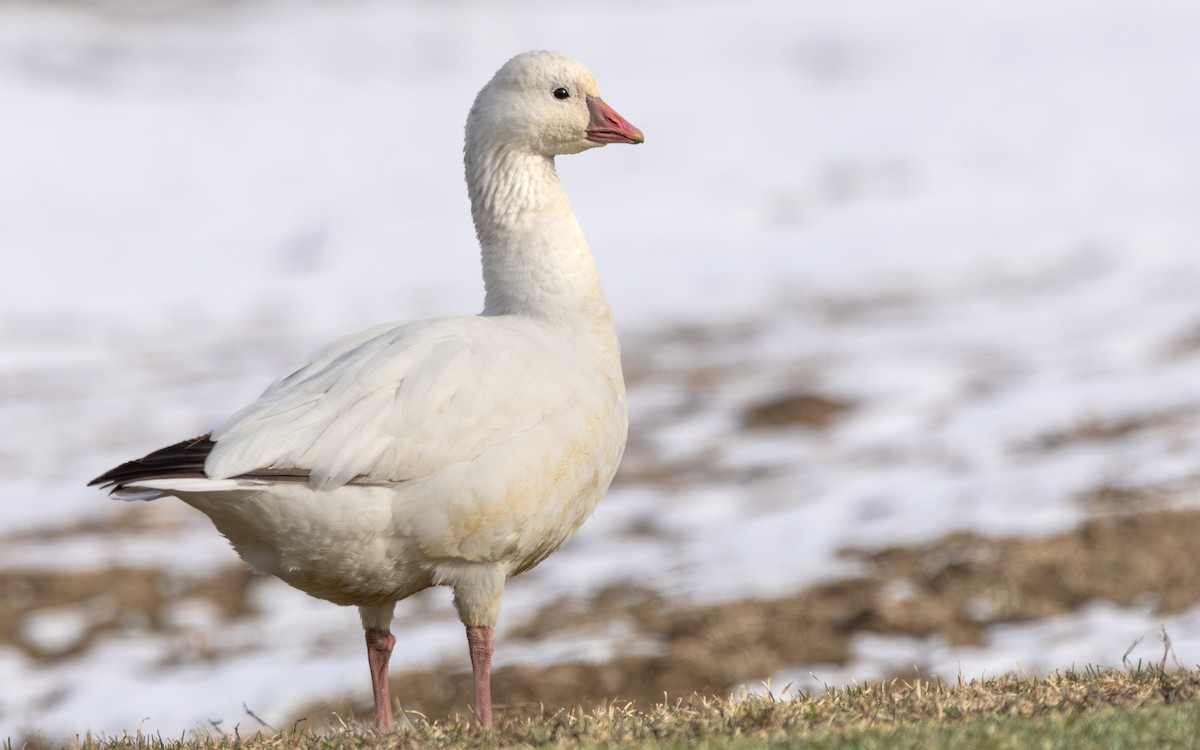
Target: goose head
(545,103)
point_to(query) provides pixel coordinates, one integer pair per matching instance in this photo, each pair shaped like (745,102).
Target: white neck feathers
(536,262)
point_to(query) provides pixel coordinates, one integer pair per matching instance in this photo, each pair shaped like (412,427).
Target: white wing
(404,401)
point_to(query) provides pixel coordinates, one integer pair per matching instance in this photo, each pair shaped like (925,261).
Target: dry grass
(835,718)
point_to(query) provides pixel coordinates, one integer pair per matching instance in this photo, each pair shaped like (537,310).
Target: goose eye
(561,93)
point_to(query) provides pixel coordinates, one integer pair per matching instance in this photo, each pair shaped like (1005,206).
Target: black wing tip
(183,459)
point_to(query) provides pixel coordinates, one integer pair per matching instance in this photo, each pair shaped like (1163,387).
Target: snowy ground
(973,223)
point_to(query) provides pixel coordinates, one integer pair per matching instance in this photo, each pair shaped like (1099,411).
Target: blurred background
(909,297)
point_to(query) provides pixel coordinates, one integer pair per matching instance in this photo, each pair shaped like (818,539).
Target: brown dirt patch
(142,518)
(810,410)
(1095,429)
(1116,497)
(965,582)
(113,599)
(1185,345)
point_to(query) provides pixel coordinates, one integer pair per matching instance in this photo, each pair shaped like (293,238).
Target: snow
(975,224)
(1099,635)
(55,631)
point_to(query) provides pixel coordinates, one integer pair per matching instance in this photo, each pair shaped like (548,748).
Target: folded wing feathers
(333,415)
(395,403)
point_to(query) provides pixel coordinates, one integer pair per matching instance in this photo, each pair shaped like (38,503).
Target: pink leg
(379,651)
(482,640)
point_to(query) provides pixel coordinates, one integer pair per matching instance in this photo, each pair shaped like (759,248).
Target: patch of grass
(1158,727)
(1144,708)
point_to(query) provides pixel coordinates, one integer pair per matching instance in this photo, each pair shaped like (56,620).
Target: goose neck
(536,262)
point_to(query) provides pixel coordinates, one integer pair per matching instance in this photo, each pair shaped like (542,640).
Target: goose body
(455,451)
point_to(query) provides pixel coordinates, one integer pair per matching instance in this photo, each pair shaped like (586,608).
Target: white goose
(448,452)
